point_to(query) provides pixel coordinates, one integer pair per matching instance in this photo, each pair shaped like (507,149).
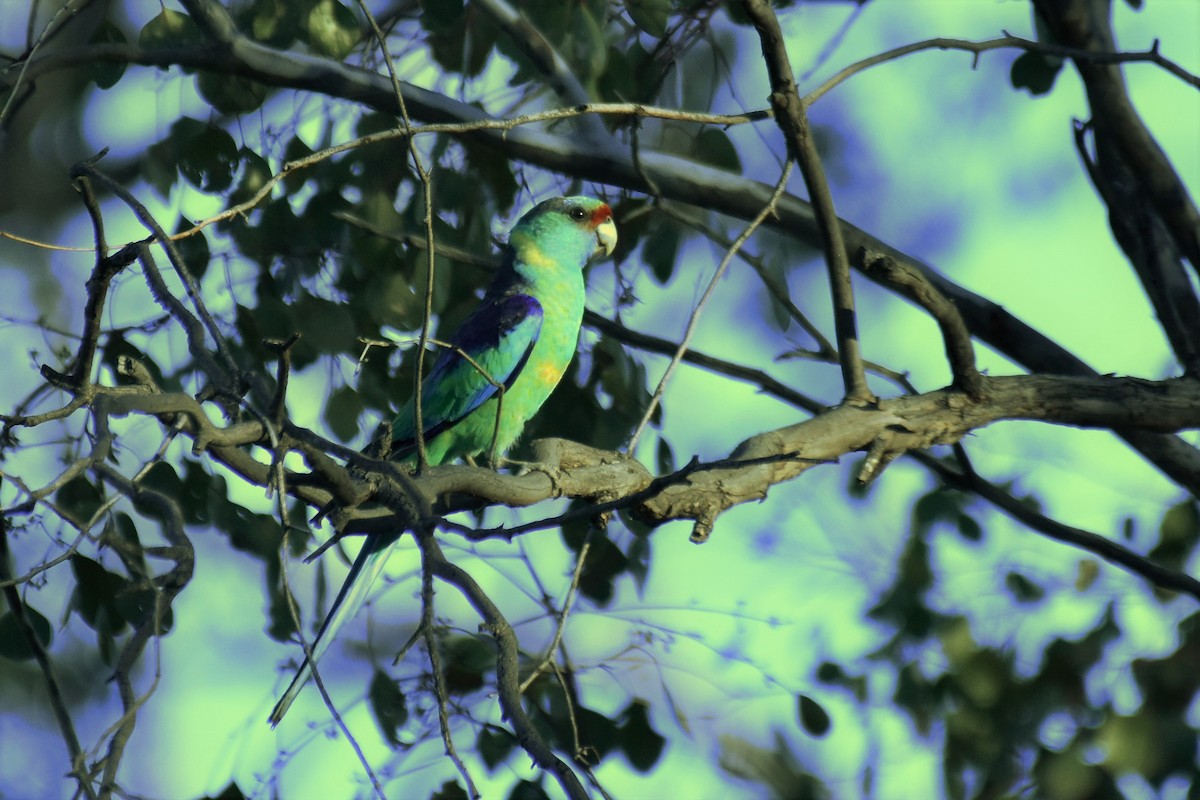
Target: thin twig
(1008,41)
(406,130)
(57,702)
(694,317)
(562,615)
(67,9)
(173,255)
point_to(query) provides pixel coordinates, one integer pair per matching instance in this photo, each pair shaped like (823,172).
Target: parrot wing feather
(488,353)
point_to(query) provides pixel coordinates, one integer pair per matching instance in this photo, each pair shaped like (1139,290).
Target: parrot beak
(606,236)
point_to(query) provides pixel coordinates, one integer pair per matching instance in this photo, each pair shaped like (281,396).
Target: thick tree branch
(1086,25)
(1113,552)
(916,422)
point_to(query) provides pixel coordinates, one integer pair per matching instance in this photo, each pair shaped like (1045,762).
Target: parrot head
(565,230)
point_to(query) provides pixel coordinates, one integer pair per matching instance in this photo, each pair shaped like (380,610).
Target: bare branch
(57,703)
(1086,26)
(916,287)
(792,119)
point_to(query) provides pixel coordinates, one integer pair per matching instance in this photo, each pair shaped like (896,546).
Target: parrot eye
(576,213)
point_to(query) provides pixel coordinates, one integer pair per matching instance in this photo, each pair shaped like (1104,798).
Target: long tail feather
(350,598)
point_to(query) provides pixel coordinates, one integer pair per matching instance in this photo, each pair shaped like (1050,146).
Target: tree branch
(675,178)
(507,668)
(792,119)
(1085,25)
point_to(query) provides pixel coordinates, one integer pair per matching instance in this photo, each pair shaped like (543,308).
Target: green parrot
(523,335)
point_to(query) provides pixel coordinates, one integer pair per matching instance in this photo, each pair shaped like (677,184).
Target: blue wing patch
(499,337)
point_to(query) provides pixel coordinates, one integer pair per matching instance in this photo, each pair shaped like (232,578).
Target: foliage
(222,390)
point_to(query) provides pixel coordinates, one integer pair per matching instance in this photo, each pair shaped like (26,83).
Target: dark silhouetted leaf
(712,146)
(527,790)
(389,706)
(650,15)
(106,74)
(193,249)
(169,30)
(813,717)
(230,94)
(450,791)
(80,498)
(1023,590)
(14,643)
(1035,72)
(494,745)
(230,792)
(639,741)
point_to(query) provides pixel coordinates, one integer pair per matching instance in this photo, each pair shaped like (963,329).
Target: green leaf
(813,718)
(940,505)
(193,249)
(230,792)
(274,22)
(170,30)
(1177,534)
(590,47)
(95,596)
(661,249)
(80,498)
(389,706)
(494,745)
(641,744)
(664,457)
(255,172)
(332,29)
(650,15)
(713,146)
(604,564)
(296,149)
(13,642)
(230,94)
(637,561)
(527,790)
(1022,589)
(1035,72)
(969,528)
(465,661)
(832,673)
(328,326)
(450,791)
(342,412)
(204,154)
(106,74)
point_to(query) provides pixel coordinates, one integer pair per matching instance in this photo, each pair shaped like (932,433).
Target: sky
(942,160)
